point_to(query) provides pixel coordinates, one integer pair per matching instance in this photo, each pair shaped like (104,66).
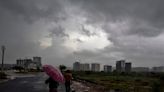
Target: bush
(156,87)
(3,75)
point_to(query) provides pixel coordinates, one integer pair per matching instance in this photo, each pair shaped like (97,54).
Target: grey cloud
(139,44)
(17,40)
(19,35)
(144,29)
(114,10)
(141,51)
(78,40)
(147,32)
(31,10)
(87,32)
(58,31)
(146,20)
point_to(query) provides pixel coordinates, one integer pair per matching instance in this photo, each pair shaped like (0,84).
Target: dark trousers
(67,86)
(52,90)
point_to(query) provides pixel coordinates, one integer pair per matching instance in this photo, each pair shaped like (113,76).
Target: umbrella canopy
(54,73)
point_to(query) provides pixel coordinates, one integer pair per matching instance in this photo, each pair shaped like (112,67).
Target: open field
(133,82)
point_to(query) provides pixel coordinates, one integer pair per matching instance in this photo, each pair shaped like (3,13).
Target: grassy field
(136,82)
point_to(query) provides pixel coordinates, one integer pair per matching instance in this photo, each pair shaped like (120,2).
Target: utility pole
(3,52)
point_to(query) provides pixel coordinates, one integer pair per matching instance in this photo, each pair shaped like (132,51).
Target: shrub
(3,75)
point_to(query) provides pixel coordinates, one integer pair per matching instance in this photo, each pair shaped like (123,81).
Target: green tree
(62,67)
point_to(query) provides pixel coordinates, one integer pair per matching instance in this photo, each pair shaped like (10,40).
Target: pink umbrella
(54,73)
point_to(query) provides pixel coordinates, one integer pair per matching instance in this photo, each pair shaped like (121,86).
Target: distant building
(84,67)
(128,66)
(20,62)
(95,67)
(37,61)
(76,66)
(107,68)
(32,65)
(29,63)
(120,66)
(81,67)
(158,69)
(140,69)
(23,62)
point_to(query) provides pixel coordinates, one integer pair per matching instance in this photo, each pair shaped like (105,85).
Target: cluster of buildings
(34,63)
(77,66)
(121,66)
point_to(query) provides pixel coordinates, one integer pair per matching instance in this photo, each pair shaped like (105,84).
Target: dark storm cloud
(136,31)
(148,11)
(32,10)
(16,38)
(138,43)
(58,31)
(144,30)
(140,51)
(19,30)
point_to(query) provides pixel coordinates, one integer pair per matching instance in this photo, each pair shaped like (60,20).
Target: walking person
(53,85)
(68,77)
(55,77)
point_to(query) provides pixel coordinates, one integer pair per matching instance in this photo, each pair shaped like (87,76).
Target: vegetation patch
(126,82)
(3,75)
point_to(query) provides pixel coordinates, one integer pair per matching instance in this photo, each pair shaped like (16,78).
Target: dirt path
(86,87)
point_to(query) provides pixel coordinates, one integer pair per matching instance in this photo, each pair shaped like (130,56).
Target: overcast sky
(103,31)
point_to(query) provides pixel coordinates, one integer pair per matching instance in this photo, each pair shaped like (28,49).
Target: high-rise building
(120,66)
(128,67)
(29,63)
(86,67)
(81,67)
(107,68)
(20,62)
(76,66)
(95,67)
(23,62)
(37,61)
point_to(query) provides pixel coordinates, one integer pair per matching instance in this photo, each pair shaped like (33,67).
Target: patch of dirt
(82,86)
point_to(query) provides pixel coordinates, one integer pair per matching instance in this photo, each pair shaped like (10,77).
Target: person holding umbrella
(55,76)
(53,85)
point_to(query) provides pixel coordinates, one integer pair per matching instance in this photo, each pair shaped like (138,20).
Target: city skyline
(120,66)
(103,31)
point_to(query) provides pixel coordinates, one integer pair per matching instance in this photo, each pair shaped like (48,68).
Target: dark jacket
(52,83)
(68,76)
